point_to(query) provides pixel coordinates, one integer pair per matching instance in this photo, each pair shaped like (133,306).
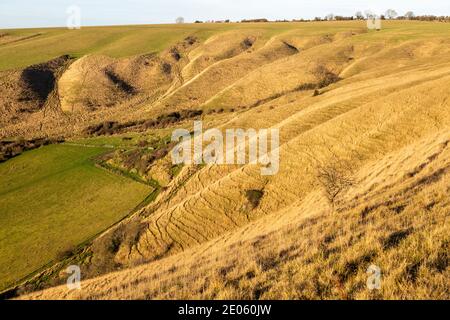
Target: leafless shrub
(333,173)
(66,253)
(175,54)
(166,68)
(254,197)
(105,248)
(247,43)
(324,76)
(335,177)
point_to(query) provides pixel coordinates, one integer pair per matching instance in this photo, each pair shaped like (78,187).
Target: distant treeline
(427,18)
(383,17)
(228,21)
(332,17)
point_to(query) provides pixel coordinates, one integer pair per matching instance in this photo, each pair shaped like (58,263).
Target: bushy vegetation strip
(12,148)
(162,121)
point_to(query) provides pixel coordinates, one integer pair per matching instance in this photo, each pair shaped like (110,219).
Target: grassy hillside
(23,47)
(142,59)
(51,200)
(396,218)
(362,112)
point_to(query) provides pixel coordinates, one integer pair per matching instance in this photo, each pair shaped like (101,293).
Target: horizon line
(203,23)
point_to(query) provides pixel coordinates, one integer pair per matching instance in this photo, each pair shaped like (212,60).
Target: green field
(29,46)
(52,199)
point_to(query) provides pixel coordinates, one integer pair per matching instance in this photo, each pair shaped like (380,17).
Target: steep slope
(95,81)
(312,69)
(92,89)
(213,200)
(397,221)
(28,91)
(225,72)
(219,47)
(364,128)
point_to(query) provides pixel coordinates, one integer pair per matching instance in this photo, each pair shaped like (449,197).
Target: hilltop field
(364,177)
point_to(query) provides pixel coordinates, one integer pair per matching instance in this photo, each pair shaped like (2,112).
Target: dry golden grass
(213,200)
(308,251)
(224,72)
(378,105)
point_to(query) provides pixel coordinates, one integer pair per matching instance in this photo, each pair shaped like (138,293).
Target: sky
(52,13)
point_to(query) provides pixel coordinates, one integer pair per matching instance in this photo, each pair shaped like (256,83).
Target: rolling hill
(364,122)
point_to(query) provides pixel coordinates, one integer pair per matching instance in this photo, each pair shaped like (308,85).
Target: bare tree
(334,174)
(359,15)
(369,14)
(335,177)
(329,17)
(179,20)
(391,14)
(409,15)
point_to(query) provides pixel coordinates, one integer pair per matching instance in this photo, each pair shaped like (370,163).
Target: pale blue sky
(40,13)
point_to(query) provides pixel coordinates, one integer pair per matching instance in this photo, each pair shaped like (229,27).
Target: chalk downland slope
(29,91)
(358,113)
(395,218)
(213,199)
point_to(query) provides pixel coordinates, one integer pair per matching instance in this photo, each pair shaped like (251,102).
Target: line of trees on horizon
(390,14)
